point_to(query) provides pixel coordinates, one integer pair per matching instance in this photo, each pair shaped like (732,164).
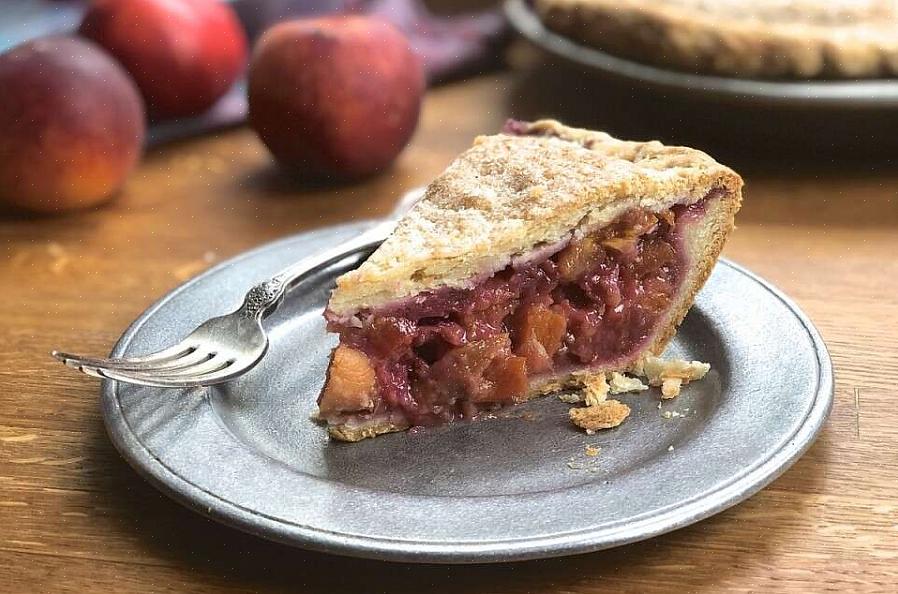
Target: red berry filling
(455,352)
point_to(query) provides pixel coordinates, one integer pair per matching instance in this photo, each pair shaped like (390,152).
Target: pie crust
(518,194)
(745,38)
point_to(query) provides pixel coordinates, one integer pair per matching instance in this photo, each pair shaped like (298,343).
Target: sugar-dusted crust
(751,38)
(509,193)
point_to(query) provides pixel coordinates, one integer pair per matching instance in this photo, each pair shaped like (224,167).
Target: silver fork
(228,346)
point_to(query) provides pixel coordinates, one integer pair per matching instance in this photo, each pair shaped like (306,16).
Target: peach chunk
(350,383)
(483,371)
(539,336)
(507,377)
(579,257)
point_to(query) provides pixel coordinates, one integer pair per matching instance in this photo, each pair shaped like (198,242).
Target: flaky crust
(749,38)
(509,193)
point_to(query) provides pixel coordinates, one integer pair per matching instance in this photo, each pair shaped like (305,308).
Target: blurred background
(852,123)
(143,141)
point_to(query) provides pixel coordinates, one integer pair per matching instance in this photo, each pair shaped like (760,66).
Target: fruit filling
(456,352)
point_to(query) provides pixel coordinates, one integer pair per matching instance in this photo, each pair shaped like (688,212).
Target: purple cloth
(450,46)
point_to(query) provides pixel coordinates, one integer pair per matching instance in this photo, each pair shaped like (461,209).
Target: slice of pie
(750,38)
(541,253)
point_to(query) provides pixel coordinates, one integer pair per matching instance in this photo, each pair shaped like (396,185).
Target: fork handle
(264,298)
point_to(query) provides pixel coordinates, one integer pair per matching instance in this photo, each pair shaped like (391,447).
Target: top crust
(765,38)
(511,193)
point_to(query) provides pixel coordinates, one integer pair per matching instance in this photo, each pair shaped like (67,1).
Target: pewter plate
(839,94)
(518,486)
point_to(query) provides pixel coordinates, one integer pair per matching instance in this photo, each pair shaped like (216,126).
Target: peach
(71,125)
(351,382)
(184,54)
(335,97)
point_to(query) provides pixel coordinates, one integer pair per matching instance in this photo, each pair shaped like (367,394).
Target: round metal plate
(878,93)
(517,486)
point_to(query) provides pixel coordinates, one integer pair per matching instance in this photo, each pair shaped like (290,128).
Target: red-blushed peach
(71,125)
(184,54)
(335,97)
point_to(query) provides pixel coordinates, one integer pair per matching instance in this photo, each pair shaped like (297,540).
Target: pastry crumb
(619,383)
(670,448)
(604,415)
(595,387)
(570,397)
(671,374)
(672,414)
(592,451)
(670,387)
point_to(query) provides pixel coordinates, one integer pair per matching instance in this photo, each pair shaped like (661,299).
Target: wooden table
(75,517)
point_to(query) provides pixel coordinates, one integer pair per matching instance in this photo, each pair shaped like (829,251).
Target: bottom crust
(373,428)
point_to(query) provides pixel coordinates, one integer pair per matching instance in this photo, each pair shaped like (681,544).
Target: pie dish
(759,38)
(540,256)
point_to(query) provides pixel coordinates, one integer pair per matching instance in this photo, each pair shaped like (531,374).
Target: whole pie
(541,255)
(750,38)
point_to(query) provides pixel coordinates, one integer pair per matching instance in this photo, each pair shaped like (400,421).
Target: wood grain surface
(74,517)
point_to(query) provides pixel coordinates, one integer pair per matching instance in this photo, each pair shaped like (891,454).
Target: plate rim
(862,93)
(179,488)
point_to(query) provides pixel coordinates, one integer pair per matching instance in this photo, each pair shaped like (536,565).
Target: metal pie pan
(518,486)
(840,94)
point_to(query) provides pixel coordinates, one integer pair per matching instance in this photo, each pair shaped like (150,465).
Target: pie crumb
(670,448)
(670,374)
(595,388)
(620,384)
(592,451)
(570,397)
(604,415)
(670,387)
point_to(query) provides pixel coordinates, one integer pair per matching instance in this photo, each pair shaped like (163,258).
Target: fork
(228,346)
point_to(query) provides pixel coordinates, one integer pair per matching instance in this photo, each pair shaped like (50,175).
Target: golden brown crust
(757,38)
(509,193)
(363,430)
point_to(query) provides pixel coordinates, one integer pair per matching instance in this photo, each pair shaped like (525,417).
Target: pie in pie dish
(746,38)
(541,255)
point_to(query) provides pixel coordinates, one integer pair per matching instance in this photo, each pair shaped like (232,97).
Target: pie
(744,38)
(541,255)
